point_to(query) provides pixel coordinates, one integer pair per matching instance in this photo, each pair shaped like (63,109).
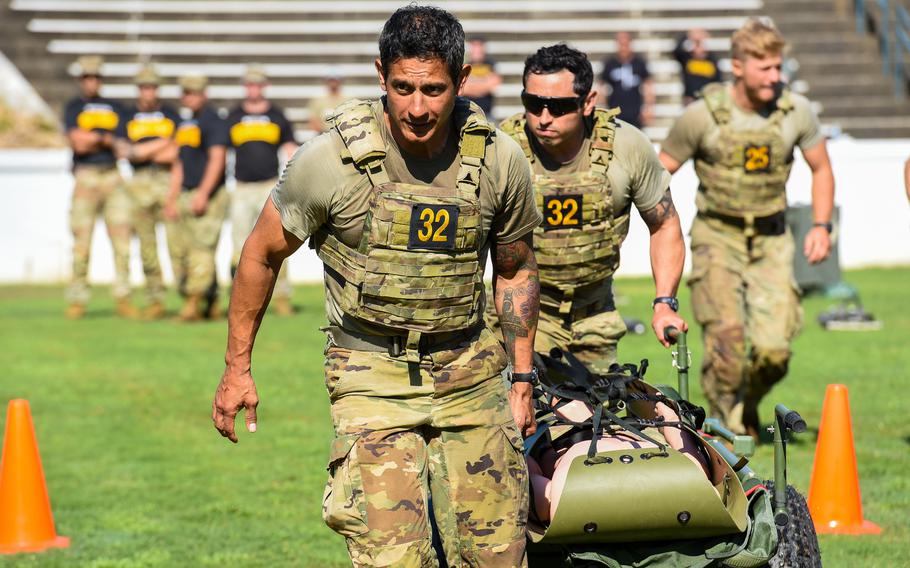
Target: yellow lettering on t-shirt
(701,67)
(244,132)
(141,128)
(189,134)
(101,118)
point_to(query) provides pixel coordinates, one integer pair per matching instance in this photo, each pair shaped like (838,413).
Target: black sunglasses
(558,106)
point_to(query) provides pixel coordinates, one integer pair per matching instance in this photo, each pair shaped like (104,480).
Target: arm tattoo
(520,294)
(659,214)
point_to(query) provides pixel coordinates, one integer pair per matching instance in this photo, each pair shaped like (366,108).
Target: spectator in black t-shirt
(147,140)
(630,85)
(483,80)
(258,131)
(698,65)
(91,122)
(197,201)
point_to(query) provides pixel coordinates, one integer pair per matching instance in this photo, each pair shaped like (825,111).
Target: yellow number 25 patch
(562,212)
(433,226)
(757,159)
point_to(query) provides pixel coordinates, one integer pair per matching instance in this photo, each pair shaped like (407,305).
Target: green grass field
(138,476)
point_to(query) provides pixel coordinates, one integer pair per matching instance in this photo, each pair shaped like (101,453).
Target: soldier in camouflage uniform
(197,202)
(91,122)
(588,169)
(403,199)
(742,136)
(148,132)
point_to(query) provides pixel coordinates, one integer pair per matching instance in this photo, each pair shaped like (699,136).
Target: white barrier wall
(35,190)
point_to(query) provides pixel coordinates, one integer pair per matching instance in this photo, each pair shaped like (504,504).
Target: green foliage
(139,478)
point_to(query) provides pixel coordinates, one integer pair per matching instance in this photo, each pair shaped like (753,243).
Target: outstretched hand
(233,393)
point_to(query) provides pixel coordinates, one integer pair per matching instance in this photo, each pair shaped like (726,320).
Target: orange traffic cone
(834,497)
(26,522)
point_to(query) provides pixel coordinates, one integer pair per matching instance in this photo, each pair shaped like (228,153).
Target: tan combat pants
(246,204)
(743,293)
(148,190)
(452,438)
(99,191)
(192,242)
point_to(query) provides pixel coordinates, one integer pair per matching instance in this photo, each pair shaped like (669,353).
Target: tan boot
(154,311)
(74,311)
(126,310)
(283,307)
(191,310)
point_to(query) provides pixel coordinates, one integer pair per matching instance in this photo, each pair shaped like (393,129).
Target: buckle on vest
(565,306)
(749,225)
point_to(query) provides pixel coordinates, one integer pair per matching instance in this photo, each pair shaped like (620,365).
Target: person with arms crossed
(631,88)
(403,200)
(741,136)
(148,143)
(589,168)
(197,201)
(91,123)
(259,130)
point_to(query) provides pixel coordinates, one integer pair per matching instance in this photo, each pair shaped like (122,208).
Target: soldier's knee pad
(769,365)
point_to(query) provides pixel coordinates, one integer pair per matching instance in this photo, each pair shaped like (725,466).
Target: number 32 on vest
(562,212)
(433,226)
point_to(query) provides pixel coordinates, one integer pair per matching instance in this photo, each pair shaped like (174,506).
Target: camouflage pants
(451,437)
(192,241)
(147,191)
(246,204)
(743,292)
(99,191)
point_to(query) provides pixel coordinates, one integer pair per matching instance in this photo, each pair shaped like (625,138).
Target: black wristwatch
(669,300)
(524,377)
(828,226)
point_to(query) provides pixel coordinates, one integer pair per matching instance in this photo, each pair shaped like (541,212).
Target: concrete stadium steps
(300,41)
(843,69)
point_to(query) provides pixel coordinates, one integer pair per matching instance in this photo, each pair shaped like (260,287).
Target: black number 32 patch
(433,226)
(562,212)
(757,159)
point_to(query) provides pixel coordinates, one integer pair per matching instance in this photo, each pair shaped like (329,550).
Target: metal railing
(891,24)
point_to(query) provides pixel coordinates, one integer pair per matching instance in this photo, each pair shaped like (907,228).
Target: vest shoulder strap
(514,126)
(473,136)
(602,139)
(717,99)
(355,123)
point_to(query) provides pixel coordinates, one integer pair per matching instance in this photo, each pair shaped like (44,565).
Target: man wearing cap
(258,131)
(148,130)
(321,108)
(197,201)
(91,122)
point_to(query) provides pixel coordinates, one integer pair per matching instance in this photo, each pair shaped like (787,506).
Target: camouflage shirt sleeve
(308,185)
(517,212)
(685,135)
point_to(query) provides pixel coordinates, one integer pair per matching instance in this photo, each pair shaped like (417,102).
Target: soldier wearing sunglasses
(589,168)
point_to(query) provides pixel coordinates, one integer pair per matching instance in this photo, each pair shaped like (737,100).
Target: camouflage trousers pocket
(704,306)
(517,475)
(344,507)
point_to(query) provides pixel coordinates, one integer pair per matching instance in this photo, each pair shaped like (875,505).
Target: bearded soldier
(742,136)
(402,200)
(589,168)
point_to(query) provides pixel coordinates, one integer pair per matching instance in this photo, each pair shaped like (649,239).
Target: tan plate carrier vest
(417,267)
(749,175)
(578,242)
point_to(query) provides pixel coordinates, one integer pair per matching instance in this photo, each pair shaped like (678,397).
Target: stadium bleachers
(300,41)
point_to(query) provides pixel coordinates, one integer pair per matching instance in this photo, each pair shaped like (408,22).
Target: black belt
(770,225)
(395,345)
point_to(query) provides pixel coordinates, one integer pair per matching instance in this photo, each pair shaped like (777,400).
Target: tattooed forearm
(660,213)
(517,297)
